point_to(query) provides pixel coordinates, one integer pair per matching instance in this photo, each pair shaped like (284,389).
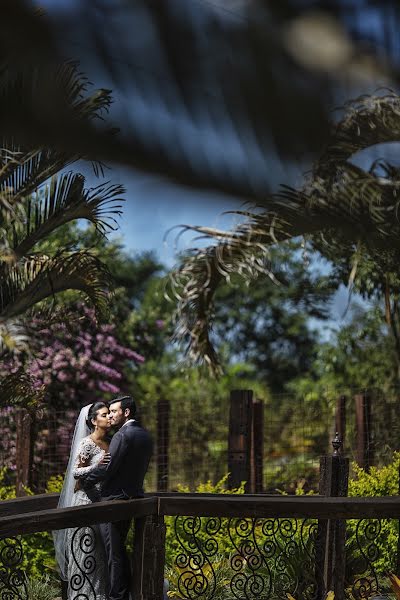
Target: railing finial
(337,444)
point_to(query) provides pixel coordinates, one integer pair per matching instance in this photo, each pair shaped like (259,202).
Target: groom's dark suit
(130,449)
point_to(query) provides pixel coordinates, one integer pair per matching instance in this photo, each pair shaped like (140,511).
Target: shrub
(37,548)
(178,526)
(379,481)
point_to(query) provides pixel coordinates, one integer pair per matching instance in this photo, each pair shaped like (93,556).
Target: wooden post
(340,418)
(257,447)
(331,537)
(163,408)
(148,559)
(398,539)
(240,438)
(363,429)
(24,450)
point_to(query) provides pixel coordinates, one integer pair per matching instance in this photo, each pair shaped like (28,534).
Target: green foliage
(172,545)
(42,588)
(360,355)
(379,481)
(54,484)
(38,548)
(266,324)
(383,481)
(220,574)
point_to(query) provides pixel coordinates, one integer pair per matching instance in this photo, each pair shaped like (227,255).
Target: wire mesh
(191,444)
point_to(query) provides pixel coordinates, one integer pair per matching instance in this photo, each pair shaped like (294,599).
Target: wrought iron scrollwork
(259,558)
(273,557)
(12,577)
(252,576)
(366,536)
(196,559)
(83,544)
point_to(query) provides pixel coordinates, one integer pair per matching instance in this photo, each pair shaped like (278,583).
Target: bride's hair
(92,414)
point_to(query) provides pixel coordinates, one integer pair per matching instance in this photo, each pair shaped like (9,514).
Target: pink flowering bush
(79,362)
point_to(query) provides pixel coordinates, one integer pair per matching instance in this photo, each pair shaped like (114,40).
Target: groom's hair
(126,402)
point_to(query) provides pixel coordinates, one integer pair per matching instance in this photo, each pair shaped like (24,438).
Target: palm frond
(62,200)
(37,278)
(13,336)
(25,165)
(368,120)
(243,250)
(352,211)
(20,390)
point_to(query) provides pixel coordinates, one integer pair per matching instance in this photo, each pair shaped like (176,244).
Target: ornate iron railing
(12,580)
(261,557)
(230,547)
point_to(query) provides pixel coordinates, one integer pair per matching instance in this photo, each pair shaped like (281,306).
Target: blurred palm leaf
(36,278)
(25,163)
(24,166)
(13,336)
(207,65)
(344,210)
(395,584)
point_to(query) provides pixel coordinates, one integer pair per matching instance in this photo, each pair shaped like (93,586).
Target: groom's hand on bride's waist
(92,492)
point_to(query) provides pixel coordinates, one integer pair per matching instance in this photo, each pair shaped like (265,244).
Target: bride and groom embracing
(98,470)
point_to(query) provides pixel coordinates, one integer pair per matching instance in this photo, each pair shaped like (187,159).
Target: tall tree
(267,324)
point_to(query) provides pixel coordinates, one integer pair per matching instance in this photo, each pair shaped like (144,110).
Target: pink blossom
(62,376)
(106,386)
(104,370)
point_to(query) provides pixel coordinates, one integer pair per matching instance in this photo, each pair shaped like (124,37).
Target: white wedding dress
(86,564)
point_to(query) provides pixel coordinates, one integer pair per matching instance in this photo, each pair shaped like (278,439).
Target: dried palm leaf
(39,277)
(348,210)
(20,390)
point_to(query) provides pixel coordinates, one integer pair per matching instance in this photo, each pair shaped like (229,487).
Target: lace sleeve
(82,464)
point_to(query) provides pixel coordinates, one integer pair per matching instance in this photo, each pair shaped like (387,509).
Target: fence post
(340,418)
(163,408)
(257,450)
(240,438)
(363,428)
(331,537)
(148,558)
(24,449)
(398,538)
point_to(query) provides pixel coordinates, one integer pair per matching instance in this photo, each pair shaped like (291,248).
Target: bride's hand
(106,459)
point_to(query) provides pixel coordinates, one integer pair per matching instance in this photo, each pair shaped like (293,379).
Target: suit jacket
(131,449)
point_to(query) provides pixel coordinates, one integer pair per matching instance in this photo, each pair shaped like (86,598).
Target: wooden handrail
(318,507)
(27,504)
(221,505)
(77,516)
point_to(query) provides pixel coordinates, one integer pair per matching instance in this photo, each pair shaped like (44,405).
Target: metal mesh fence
(192,445)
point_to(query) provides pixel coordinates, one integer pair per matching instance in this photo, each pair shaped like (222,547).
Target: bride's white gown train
(87,567)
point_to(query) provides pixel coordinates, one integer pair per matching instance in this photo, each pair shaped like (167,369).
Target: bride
(79,551)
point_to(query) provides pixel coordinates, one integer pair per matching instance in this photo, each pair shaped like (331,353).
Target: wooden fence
(266,533)
(245,444)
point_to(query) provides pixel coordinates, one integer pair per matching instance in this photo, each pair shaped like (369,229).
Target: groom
(130,449)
